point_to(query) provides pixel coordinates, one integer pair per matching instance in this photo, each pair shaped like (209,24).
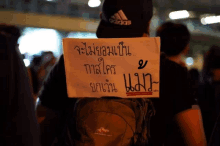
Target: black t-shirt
(174,94)
(175,97)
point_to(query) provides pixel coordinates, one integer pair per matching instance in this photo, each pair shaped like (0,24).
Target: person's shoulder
(59,67)
(61,60)
(53,93)
(166,63)
(61,57)
(170,68)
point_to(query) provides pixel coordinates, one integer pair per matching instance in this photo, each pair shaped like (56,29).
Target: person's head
(211,63)
(125,18)
(212,58)
(174,38)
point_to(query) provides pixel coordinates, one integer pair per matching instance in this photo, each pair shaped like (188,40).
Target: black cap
(124,18)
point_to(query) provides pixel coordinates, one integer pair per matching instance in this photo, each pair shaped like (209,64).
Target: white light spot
(94,3)
(37,100)
(81,35)
(35,40)
(26,62)
(203,21)
(189,61)
(179,14)
(210,20)
(37,103)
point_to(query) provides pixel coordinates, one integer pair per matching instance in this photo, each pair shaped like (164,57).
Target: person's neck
(176,58)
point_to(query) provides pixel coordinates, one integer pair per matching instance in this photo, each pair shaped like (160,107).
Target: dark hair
(174,38)
(12,30)
(212,58)
(211,61)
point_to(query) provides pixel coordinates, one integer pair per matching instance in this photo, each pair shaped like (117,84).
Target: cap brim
(106,30)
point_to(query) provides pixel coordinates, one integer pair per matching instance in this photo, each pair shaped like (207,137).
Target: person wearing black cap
(123,19)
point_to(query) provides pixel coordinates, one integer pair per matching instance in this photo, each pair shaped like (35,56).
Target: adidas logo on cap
(119,18)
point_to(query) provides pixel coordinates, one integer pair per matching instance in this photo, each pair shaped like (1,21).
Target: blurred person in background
(47,62)
(18,120)
(33,69)
(209,91)
(39,68)
(174,41)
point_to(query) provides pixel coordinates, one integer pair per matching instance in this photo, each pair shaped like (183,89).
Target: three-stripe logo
(119,18)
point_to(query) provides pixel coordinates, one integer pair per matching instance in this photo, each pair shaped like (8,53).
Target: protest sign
(122,67)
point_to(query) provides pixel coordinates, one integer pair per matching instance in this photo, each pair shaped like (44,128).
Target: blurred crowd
(38,69)
(204,85)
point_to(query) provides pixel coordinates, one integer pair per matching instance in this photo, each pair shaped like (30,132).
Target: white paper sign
(122,67)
